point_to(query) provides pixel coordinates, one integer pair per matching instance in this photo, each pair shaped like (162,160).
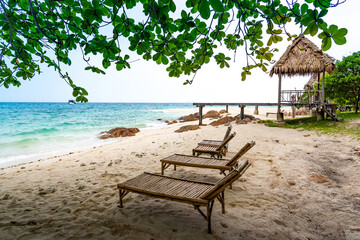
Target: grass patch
(349,126)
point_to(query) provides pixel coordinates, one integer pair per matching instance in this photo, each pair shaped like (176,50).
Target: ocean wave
(22,142)
(38,131)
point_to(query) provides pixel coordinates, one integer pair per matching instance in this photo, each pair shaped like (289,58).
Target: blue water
(32,129)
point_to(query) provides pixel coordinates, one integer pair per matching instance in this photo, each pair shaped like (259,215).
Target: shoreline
(33,157)
(75,195)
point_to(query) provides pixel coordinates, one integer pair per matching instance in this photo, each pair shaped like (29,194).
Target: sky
(149,82)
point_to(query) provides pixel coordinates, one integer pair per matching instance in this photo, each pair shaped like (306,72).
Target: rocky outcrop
(223,111)
(212,114)
(189,118)
(221,121)
(187,128)
(119,132)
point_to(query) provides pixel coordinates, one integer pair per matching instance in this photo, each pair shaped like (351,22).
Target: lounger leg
(122,194)
(223,201)
(174,167)
(193,152)
(121,202)
(162,168)
(221,198)
(209,211)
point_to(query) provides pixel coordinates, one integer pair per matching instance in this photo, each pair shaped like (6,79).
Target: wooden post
(279,113)
(200,114)
(318,92)
(242,111)
(227,108)
(293,111)
(256,112)
(310,100)
(319,115)
(323,90)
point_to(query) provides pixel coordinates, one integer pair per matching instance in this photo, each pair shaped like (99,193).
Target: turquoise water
(30,130)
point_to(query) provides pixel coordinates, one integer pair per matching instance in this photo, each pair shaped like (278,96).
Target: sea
(30,131)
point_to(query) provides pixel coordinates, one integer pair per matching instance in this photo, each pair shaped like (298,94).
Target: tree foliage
(38,32)
(344,85)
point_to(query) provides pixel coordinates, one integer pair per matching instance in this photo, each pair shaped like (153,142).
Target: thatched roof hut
(303,57)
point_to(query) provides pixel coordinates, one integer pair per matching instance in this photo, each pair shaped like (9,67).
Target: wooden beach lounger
(218,142)
(181,190)
(203,162)
(213,150)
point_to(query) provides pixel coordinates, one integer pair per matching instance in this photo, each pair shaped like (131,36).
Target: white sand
(74,196)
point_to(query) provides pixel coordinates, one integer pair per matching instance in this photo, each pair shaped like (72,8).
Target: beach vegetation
(349,126)
(343,85)
(35,34)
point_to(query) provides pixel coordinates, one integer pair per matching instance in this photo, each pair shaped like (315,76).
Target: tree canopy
(344,85)
(35,33)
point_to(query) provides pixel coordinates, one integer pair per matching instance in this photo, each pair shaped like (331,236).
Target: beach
(74,195)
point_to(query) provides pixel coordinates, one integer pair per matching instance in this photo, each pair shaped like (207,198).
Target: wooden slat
(192,161)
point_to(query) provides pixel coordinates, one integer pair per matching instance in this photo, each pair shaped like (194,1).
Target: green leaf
(119,66)
(326,44)
(304,8)
(323,13)
(322,35)
(106,63)
(313,29)
(341,32)
(204,9)
(339,40)
(217,5)
(164,60)
(172,6)
(333,29)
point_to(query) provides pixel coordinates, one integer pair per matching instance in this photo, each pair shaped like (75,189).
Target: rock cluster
(195,116)
(119,132)
(214,115)
(228,119)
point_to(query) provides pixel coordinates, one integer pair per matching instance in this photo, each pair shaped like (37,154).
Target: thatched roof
(310,84)
(303,57)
